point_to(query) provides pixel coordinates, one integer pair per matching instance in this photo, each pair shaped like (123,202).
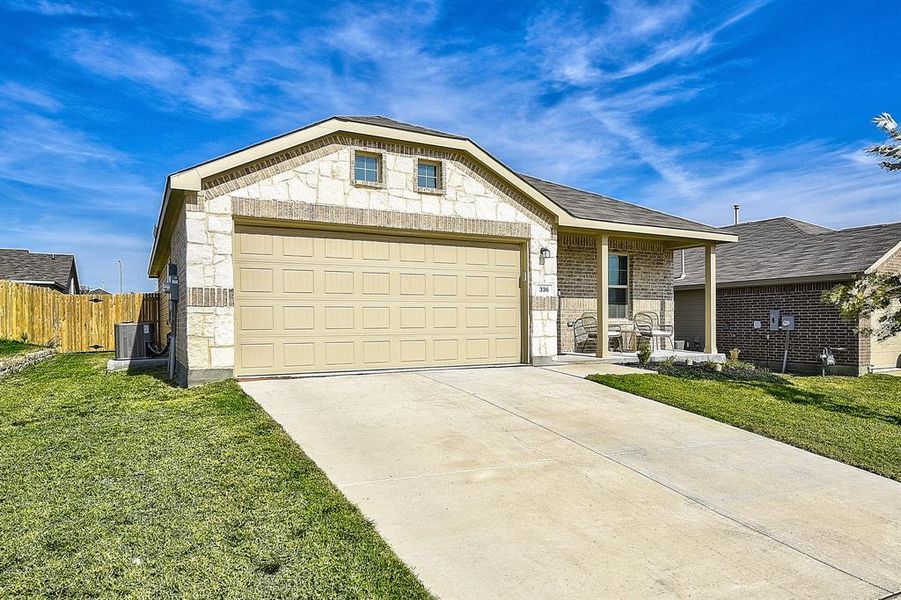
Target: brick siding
(816,325)
(650,280)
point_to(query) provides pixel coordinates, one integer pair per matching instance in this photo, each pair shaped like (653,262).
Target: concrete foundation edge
(543,361)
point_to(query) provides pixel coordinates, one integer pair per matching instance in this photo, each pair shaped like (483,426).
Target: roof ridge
(867,226)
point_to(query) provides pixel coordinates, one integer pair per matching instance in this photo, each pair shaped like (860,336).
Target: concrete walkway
(522,482)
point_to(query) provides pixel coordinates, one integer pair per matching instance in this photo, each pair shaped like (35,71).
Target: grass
(13,348)
(856,420)
(120,485)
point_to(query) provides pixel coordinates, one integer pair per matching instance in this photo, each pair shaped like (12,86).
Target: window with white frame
(367,168)
(428,175)
(618,288)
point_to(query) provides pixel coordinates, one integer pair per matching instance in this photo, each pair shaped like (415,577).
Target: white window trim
(439,189)
(380,159)
(623,287)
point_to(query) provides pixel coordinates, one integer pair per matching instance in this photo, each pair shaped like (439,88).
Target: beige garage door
(326,301)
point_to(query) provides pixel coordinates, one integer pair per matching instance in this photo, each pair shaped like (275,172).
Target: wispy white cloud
(45,153)
(83,8)
(201,87)
(633,38)
(818,181)
(16,93)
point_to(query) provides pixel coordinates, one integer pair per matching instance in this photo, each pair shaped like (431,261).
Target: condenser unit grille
(133,339)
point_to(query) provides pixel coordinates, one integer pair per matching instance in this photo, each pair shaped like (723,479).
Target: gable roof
(589,205)
(34,267)
(626,218)
(785,248)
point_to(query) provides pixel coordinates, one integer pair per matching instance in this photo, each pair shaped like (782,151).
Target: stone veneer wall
(650,281)
(319,174)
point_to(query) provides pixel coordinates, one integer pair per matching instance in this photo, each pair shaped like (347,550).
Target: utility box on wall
(779,321)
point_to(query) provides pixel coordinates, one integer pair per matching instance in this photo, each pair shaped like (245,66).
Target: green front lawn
(856,420)
(11,348)
(117,484)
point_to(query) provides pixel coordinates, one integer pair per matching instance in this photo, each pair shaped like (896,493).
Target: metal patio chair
(648,326)
(585,329)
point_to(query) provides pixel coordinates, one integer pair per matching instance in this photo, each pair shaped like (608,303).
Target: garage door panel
(339,354)
(477,285)
(444,255)
(376,284)
(255,280)
(297,246)
(300,354)
(296,281)
(298,317)
(506,287)
(412,284)
(324,301)
(376,317)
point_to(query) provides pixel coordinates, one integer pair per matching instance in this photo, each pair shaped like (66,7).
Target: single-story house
(54,271)
(786,265)
(360,243)
(88,290)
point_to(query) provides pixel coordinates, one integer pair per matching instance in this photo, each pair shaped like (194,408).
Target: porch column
(603,282)
(710,298)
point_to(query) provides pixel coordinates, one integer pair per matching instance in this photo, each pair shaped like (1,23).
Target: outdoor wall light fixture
(543,254)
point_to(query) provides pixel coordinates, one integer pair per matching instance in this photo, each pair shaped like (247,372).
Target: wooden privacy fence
(72,323)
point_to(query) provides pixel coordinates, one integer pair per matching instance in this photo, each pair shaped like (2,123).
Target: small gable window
(367,168)
(428,175)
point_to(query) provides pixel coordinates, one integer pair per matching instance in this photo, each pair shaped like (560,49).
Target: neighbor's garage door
(325,301)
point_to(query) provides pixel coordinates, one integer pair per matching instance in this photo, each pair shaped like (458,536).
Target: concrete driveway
(524,482)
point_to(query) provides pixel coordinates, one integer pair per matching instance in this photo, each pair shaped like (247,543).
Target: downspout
(682,273)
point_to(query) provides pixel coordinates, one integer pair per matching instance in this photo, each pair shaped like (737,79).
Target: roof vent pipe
(737,209)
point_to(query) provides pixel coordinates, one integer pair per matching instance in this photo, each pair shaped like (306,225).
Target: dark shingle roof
(784,248)
(386,122)
(588,205)
(22,265)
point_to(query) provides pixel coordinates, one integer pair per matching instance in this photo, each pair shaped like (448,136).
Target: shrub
(733,355)
(730,371)
(644,354)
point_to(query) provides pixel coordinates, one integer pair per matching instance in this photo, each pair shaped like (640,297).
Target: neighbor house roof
(37,268)
(787,249)
(570,207)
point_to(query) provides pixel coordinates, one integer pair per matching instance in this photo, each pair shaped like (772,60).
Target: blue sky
(683,106)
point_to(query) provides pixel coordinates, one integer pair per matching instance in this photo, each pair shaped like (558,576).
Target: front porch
(631,358)
(635,274)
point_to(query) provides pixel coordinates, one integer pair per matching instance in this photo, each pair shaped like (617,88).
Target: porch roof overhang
(181,183)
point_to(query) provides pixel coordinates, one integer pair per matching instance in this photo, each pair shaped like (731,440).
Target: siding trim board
(311,214)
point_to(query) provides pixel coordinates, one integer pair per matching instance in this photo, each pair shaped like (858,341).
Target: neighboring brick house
(55,271)
(362,243)
(785,264)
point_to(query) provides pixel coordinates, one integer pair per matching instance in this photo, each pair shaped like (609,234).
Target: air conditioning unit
(133,339)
